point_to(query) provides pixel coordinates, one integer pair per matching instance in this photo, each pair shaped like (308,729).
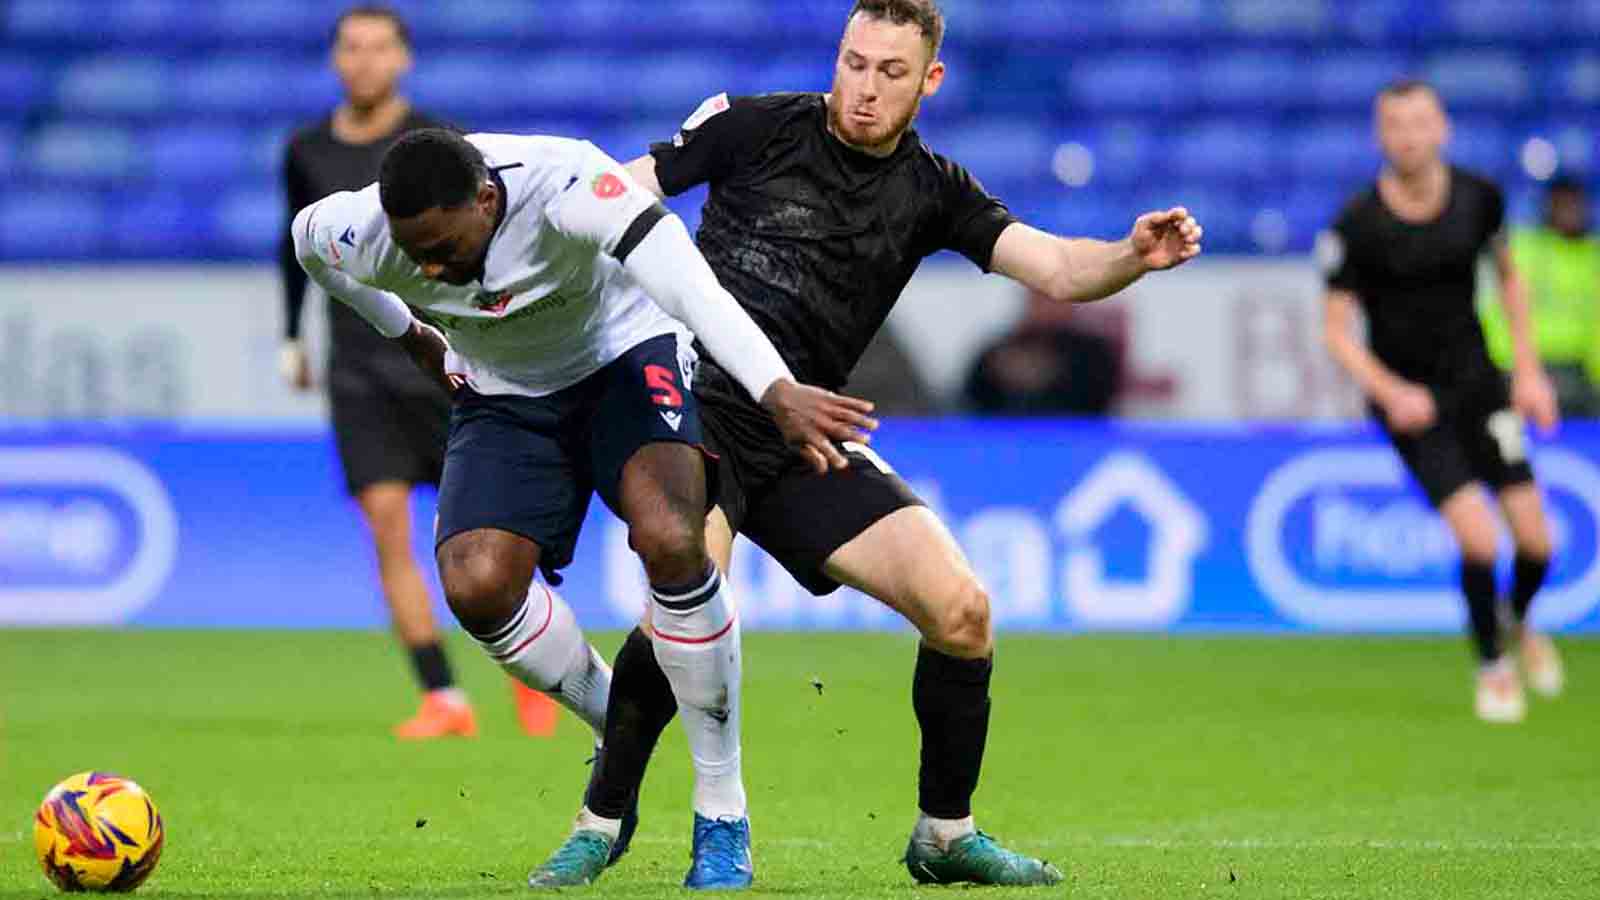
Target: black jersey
(315,165)
(815,239)
(1416,281)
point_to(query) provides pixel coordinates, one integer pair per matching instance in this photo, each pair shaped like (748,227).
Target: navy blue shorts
(527,465)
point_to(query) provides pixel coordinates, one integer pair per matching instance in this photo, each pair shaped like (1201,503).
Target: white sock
(588,821)
(452,695)
(941,833)
(543,648)
(696,640)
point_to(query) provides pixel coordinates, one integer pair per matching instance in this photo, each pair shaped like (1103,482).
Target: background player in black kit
(821,208)
(390,420)
(1405,251)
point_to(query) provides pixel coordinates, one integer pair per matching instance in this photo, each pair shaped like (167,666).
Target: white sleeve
(669,267)
(600,200)
(382,310)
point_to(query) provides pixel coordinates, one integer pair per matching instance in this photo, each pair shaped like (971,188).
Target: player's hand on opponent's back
(1166,239)
(427,347)
(294,366)
(1408,407)
(1534,397)
(813,420)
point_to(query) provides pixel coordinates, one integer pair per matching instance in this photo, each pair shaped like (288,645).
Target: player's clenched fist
(813,420)
(1166,239)
(1409,408)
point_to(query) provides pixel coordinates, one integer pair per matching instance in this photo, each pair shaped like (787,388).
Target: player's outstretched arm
(1531,392)
(1078,270)
(669,267)
(643,171)
(1408,407)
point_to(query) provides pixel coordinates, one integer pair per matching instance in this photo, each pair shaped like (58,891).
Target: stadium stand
(168,117)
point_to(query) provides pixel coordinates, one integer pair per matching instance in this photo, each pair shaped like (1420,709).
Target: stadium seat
(9,139)
(245,222)
(158,225)
(254,87)
(1231,149)
(198,153)
(1481,79)
(483,23)
(632,139)
(1086,213)
(674,84)
(1309,210)
(1573,81)
(811,72)
(1222,213)
(1139,81)
(116,85)
(1121,152)
(1177,22)
(252,24)
(574,83)
(465,86)
(1253,81)
(1499,21)
(1275,19)
(1341,81)
(1000,150)
(1483,145)
(1340,149)
(23,86)
(1576,142)
(88,153)
(706,22)
(57,22)
(50,224)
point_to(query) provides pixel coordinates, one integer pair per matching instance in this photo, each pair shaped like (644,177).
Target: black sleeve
(1335,251)
(296,192)
(969,219)
(719,135)
(1494,211)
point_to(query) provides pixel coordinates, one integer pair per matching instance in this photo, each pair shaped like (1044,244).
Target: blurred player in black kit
(1405,251)
(821,208)
(390,420)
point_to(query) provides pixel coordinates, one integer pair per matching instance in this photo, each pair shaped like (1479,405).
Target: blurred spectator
(1560,261)
(1046,366)
(886,376)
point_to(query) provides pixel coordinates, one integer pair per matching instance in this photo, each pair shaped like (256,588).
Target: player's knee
(963,621)
(482,591)
(672,548)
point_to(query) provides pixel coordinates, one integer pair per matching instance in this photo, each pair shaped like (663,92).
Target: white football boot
(1500,698)
(1541,664)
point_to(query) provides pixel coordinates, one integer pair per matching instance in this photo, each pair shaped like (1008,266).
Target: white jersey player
(564,290)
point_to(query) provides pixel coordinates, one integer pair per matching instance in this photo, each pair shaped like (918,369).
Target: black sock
(1477,582)
(951,700)
(638,710)
(1527,577)
(433,670)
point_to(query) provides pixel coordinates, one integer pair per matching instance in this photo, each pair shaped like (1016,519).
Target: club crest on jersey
(494,303)
(609,187)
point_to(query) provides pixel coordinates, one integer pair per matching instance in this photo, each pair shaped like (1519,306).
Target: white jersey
(553,305)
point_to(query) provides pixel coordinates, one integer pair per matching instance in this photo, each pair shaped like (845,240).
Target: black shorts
(527,465)
(387,428)
(1478,437)
(774,498)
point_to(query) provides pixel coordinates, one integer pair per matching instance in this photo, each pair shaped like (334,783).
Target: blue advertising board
(1072,525)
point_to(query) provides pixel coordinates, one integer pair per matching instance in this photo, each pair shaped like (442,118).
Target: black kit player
(1405,252)
(821,208)
(390,420)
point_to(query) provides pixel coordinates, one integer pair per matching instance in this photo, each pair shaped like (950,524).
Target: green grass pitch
(1147,767)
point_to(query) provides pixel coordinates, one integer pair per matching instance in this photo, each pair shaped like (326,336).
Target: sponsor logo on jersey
(609,187)
(349,236)
(712,106)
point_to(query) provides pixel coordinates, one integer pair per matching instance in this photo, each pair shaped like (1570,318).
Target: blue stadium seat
(1139,81)
(1481,79)
(258,86)
(1222,213)
(1086,213)
(91,153)
(1311,209)
(10,138)
(246,221)
(1340,149)
(1349,80)
(23,86)
(486,21)
(1253,81)
(1499,21)
(1121,152)
(158,225)
(1573,81)
(709,23)
(116,85)
(998,150)
(1485,146)
(1024,22)
(1177,22)
(632,139)
(57,22)
(267,146)
(1275,19)
(674,84)
(811,72)
(1232,149)
(466,85)
(198,153)
(1577,141)
(570,83)
(50,224)
(256,24)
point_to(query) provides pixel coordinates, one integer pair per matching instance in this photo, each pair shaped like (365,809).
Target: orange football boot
(536,712)
(441,715)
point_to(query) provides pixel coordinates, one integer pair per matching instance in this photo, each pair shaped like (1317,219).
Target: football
(98,832)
